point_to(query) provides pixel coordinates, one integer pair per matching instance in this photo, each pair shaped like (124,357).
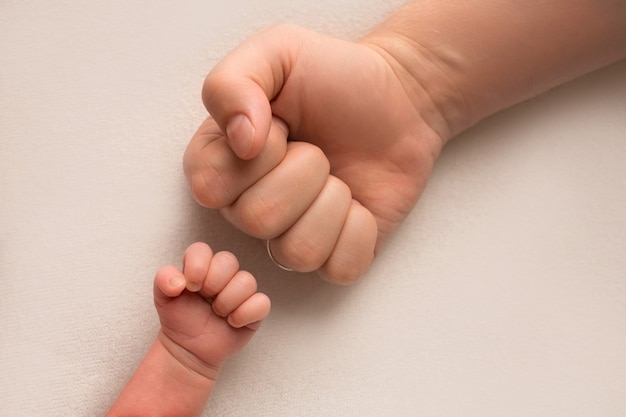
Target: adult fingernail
(240,133)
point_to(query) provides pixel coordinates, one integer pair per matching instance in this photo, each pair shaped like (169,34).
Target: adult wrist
(428,76)
(471,59)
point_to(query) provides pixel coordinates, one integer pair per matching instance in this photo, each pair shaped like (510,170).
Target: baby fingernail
(177,281)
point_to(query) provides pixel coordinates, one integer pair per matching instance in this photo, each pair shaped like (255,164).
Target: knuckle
(247,282)
(215,85)
(194,272)
(195,276)
(304,254)
(203,190)
(207,185)
(226,260)
(345,271)
(314,156)
(259,218)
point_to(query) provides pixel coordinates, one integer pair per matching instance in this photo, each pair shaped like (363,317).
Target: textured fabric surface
(504,292)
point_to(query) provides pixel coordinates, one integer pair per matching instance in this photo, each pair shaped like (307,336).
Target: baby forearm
(474,58)
(162,386)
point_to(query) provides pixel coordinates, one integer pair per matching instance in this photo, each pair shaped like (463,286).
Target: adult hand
(362,141)
(367,120)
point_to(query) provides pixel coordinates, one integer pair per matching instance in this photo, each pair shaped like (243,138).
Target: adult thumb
(238,90)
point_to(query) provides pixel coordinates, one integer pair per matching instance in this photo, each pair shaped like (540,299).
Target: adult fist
(315,143)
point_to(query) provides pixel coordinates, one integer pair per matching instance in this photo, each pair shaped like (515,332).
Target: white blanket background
(504,294)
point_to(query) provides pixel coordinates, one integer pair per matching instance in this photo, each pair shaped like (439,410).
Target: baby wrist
(186,365)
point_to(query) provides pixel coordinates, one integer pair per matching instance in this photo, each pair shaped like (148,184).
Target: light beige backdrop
(504,294)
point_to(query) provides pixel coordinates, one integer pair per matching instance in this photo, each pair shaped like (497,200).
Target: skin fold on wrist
(196,369)
(426,76)
(468,60)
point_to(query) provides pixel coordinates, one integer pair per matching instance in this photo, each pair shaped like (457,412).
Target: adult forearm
(473,58)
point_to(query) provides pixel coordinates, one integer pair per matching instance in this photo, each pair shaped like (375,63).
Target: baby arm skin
(208,313)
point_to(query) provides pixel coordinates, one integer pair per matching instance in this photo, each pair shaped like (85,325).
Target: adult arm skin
(380,111)
(484,56)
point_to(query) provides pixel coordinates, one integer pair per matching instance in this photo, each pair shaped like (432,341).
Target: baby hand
(210,310)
